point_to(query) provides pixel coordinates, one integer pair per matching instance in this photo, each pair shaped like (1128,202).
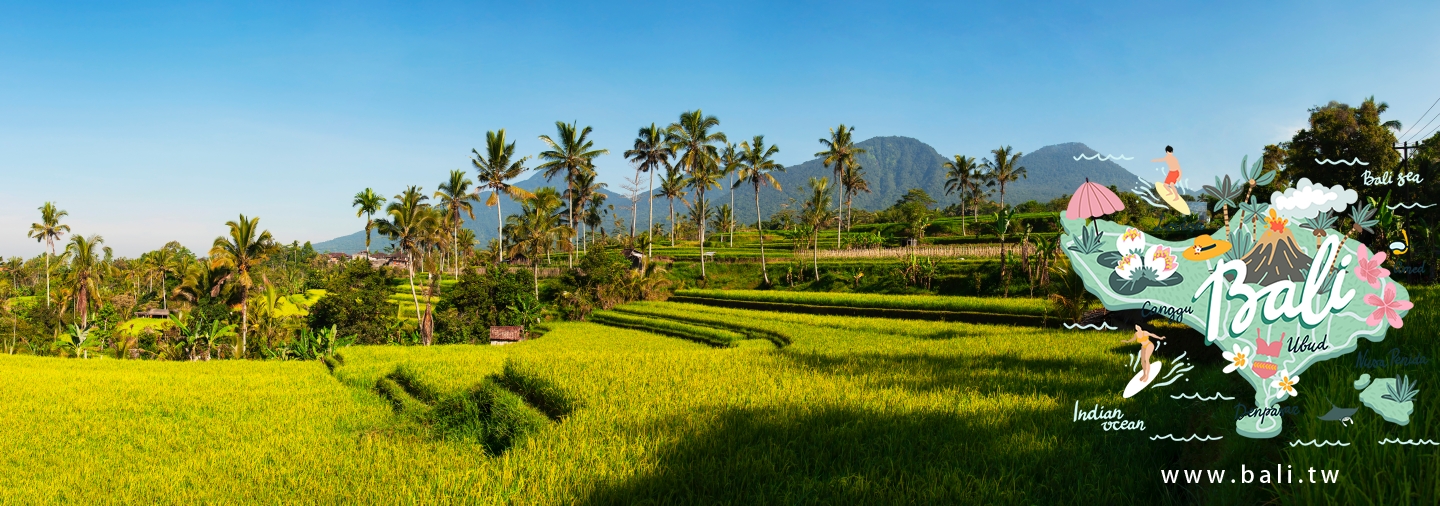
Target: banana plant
(75,343)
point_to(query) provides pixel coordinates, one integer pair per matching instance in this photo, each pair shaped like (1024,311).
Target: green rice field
(844,410)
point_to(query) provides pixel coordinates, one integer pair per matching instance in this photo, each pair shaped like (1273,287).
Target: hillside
(893,165)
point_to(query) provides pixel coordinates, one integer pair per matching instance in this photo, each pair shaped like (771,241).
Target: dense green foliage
(479,301)
(357,305)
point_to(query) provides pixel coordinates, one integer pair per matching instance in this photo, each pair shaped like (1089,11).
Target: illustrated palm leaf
(1224,191)
(1364,218)
(1403,390)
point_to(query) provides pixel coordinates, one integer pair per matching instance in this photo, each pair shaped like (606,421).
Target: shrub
(356,305)
(487,414)
(478,302)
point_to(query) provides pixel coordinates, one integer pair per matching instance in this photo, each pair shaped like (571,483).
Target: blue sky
(158,122)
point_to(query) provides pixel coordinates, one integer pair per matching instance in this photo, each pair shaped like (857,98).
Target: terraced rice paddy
(846,410)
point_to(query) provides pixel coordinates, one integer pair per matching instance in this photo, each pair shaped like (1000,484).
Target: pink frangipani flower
(1368,268)
(1387,308)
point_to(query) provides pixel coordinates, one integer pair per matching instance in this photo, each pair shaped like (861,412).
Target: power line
(1427,124)
(1422,116)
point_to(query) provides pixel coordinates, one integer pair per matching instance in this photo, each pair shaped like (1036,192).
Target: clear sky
(158,122)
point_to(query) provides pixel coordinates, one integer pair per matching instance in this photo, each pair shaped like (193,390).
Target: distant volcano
(1276,256)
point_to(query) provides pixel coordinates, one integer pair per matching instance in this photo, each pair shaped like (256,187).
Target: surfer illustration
(1146,347)
(1174,175)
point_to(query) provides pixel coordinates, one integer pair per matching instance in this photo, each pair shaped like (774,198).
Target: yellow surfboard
(1172,198)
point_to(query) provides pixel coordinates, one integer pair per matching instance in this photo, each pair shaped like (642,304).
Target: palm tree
(409,219)
(672,187)
(959,176)
(49,230)
(164,261)
(1004,169)
(695,151)
(369,203)
(585,190)
(729,165)
(1004,218)
(703,178)
(649,154)
(455,198)
(572,154)
(246,247)
(84,262)
(816,215)
(536,228)
(854,182)
(758,169)
(839,155)
(494,168)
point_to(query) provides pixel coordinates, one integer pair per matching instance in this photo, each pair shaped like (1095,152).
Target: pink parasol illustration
(1092,201)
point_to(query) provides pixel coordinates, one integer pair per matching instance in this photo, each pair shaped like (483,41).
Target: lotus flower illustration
(1162,261)
(1132,241)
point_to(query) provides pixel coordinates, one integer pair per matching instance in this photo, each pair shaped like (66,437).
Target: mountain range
(893,165)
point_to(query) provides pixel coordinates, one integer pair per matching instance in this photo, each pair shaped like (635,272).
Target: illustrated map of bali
(1278,289)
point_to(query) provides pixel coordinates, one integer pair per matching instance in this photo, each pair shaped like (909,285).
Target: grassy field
(853,410)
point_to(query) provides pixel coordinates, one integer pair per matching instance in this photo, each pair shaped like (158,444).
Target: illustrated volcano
(1275,256)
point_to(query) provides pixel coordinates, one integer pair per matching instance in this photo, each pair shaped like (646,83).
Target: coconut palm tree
(702,179)
(369,203)
(408,220)
(49,230)
(816,215)
(571,153)
(455,199)
(650,153)
(246,247)
(960,178)
(758,170)
(672,187)
(535,229)
(494,168)
(730,164)
(839,155)
(585,190)
(1004,169)
(694,144)
(854,182)
(165,261)
(84,276)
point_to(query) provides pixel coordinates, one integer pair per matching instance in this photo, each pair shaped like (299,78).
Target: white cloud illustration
(1308,200)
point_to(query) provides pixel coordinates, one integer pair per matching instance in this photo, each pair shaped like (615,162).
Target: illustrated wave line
(1090,326)
(1197,396)
(1097,156)
(1193,437)
(1313,442)
(1410,205)
(1338,162)
(1409,442)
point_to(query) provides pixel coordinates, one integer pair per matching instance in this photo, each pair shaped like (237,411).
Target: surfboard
(1172,198)
(1136,385)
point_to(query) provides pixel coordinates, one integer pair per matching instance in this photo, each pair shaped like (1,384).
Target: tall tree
(456,199)
(854,182)
(408,219)
(586,190)
(1004,169)
(1340,132)
(369,203)
(49,230)
(246,247)
(649,154)
(730,159)
(695,145)
(672,187)
(570,153)
(494,168)
(758,170)
(960,178)
(84,276)
(165,261)
(839,155)
(535,229)
(816,215)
